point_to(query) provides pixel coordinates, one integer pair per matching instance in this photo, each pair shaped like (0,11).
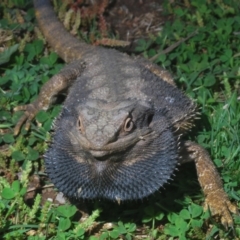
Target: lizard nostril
(79,125)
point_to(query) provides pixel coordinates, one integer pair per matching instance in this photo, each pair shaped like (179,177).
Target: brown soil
(135,19)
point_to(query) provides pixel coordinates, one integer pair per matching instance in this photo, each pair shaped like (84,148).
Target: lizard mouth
(119,146)
(115,147)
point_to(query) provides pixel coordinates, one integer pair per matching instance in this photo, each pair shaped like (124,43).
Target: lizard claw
(30,112)
(220,206)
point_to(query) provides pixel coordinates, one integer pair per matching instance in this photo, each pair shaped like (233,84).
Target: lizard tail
(64,44)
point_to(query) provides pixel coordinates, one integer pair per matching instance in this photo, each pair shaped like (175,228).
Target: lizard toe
(220,206)
(30,112)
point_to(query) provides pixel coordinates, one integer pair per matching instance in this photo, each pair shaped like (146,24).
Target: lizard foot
(30,111)
(220,206)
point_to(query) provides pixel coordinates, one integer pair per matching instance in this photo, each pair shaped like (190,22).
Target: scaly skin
(119,131)
(215,197)
(64,44)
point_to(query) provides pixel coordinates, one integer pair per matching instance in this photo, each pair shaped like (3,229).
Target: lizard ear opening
(128,125)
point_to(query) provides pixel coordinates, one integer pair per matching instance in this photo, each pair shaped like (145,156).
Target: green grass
(206,67)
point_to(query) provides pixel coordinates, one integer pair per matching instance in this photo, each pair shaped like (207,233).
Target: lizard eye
(128,125)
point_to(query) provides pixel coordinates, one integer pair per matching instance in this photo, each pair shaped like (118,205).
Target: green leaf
(8,138)
(48,125)
(209,80)
(196,223)
(161,58)
(171,217)
(33,49)
(16,186)
(179,12)
(114,234)
(56,110)
(185,214)
(31,141)
(18,156)
(227,55)
(42,116)
(196,210)
(182,237)
(50,60)
(128,236)
(151,52)
(64,224)
(61,236)
(184,67)
(80,232)
(147,219)
(131,227)
(121,228)
(32,154)
(8,193)
(26,93)
(154,233)
(23,191)
(171,230)
(104,236)
(4,115)
(181,224)
(67,210)
(160,216)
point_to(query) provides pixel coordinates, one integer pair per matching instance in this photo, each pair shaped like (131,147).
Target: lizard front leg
(54,86)
(215,197)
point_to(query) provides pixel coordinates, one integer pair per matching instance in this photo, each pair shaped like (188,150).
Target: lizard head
(118,151)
